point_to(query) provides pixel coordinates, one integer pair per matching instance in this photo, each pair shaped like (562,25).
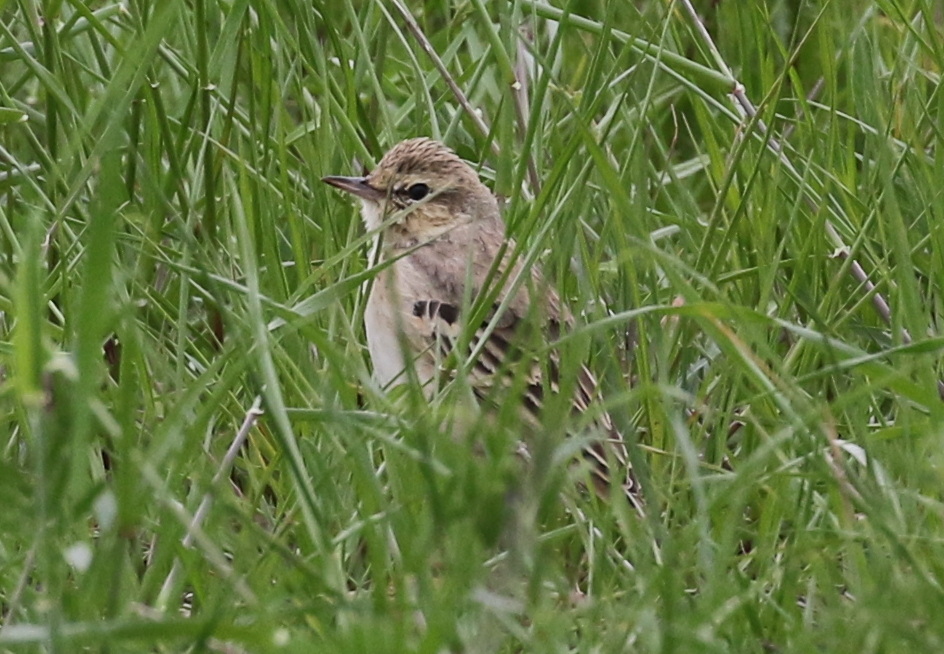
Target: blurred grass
(168,255)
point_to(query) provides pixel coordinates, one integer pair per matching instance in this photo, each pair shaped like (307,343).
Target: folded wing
(496,363)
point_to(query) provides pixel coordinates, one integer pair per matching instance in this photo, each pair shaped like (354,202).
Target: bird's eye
(418,191)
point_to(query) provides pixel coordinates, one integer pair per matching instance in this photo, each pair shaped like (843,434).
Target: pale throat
(372,215)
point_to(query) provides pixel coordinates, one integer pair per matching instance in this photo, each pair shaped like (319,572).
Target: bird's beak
(356,185)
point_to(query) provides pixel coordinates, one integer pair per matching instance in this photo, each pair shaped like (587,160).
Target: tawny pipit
(442,227)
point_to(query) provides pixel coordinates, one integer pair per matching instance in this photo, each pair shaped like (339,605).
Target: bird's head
(427,184)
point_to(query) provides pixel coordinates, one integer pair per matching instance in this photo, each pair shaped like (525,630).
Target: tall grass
(194,454)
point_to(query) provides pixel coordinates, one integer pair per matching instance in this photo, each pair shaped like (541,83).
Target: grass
(171,266)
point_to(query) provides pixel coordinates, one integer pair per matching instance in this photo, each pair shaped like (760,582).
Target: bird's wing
(438,275)
(501,354)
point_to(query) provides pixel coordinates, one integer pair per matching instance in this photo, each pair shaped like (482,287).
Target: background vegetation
(171,266)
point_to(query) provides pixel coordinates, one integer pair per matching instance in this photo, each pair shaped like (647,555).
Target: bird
(442,244)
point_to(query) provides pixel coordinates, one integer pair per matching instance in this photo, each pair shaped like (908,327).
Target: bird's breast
(395,334)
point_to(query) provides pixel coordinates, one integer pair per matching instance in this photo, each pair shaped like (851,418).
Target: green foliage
(170,263)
